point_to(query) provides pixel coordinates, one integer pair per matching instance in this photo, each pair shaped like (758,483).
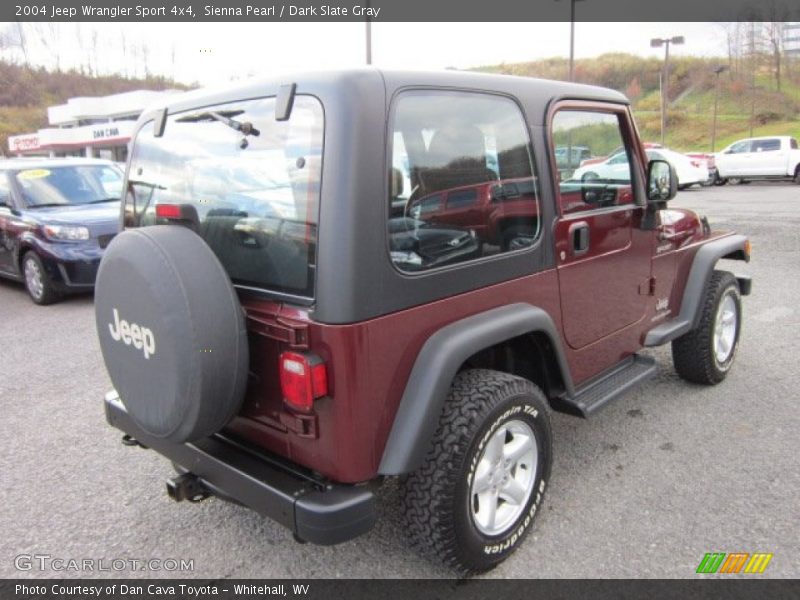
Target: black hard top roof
(522,87)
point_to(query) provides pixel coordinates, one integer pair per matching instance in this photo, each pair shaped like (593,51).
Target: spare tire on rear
(172,332)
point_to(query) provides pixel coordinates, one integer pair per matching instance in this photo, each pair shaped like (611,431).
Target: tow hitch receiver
(187,487)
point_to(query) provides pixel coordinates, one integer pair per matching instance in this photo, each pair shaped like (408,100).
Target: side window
(462,199)
(793,143)
(5,189)
(740,147)
(462,183)
(771,145)
(603,180)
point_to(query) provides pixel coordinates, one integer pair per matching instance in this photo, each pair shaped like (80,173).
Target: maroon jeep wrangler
(284,319)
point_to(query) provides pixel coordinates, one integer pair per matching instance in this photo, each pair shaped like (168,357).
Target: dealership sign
(102,133)
(52,138)
(23,143)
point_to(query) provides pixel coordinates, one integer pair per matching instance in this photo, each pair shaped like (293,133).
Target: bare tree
(23,43)
(145,50)
(773,31)
(735,43)
(124,42)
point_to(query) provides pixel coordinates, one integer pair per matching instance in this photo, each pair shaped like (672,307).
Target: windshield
(254,191)
(69,185)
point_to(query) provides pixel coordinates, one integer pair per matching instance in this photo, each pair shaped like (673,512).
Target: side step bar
(609,386)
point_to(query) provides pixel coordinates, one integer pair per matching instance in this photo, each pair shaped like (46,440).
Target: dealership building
(95,127)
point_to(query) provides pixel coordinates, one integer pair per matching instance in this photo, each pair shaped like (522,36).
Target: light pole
(717,70)
(369,36)
(572,38)
(657,43)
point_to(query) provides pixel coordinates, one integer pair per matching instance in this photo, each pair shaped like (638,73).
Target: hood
(100,219)
(77,214)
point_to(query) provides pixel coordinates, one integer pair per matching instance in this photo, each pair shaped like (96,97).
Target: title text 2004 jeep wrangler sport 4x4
(305,299)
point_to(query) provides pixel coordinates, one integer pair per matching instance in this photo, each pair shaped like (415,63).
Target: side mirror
(662,181)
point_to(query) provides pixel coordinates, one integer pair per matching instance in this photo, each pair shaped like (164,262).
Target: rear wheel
(706,354)
(797,175)
(473,500)
(40,287)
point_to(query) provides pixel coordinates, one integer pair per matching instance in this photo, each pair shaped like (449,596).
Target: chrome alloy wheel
(725,325)
(504,478)
(34,278)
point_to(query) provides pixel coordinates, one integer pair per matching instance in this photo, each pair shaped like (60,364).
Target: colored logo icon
(735,562)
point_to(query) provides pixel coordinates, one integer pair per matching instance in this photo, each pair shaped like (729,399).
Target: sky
(213,53)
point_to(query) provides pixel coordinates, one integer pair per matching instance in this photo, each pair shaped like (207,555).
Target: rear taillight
(304,378)
(177,212)
(168,211)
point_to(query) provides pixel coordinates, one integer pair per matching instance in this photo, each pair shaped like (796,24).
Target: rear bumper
(315,511)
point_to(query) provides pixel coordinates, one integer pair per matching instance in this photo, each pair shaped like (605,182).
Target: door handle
(579,237)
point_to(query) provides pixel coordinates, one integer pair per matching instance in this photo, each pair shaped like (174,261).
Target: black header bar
(399,10)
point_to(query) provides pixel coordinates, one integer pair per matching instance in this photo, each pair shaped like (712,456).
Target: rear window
(254,199)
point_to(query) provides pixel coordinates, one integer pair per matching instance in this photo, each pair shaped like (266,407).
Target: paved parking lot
(644,489)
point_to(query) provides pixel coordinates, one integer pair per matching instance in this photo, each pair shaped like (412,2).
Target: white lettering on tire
(132,333)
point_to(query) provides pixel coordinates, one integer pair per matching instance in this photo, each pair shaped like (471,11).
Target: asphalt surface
(643,489)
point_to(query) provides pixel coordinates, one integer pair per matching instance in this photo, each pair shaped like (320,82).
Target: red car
(501,213)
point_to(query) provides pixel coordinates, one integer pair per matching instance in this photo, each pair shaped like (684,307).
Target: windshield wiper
(50,204)
(225,117)
(109,199)
(154,186)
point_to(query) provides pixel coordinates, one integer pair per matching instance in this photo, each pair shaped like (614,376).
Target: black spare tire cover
(172,332)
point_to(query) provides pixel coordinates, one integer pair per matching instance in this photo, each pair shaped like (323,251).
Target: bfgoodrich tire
(705,354)
(473,501)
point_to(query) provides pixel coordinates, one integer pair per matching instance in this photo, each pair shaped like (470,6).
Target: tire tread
(692,352)
(429,492)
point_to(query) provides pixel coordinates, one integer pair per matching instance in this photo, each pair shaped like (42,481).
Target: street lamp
(717,70)
(657,43)
(369,35)
(572,38)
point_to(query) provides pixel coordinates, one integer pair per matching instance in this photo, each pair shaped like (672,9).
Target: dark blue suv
(56,217)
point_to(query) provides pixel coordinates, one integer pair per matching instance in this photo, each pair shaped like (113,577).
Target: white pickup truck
(775,157)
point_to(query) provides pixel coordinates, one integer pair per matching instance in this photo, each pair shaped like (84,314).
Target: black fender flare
(731,246)
(437,364)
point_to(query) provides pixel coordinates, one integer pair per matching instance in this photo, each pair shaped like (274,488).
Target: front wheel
(706,354)
(37,282)
(474,499)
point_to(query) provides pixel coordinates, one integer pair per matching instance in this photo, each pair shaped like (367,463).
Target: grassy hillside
(25,94)
(691,93)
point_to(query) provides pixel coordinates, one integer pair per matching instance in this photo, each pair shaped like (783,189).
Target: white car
(689,171)
(616,167)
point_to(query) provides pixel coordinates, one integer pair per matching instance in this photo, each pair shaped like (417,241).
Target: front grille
(105,240)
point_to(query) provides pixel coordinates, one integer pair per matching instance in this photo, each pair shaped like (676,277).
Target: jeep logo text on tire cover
(131,333)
